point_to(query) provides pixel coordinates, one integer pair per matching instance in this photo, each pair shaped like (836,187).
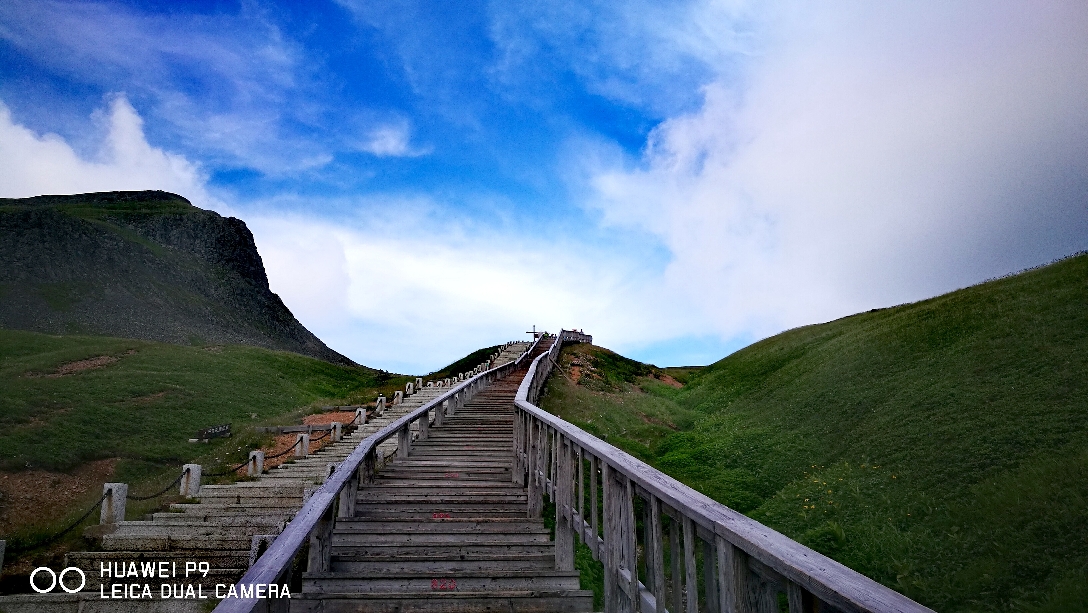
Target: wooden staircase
(446,529)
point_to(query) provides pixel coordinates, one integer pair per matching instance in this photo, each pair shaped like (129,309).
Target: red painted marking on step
(444,584)
(440,516)
(453,475)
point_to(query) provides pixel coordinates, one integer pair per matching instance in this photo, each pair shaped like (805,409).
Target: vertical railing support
(404,441)
(655,553)
(691,583)
(564,507)
(256,463)
(113,507)
(321,544)
(348,495)
(595,543)
(302,449)
(190,483)
(337,431)
(425,425)
(536,489)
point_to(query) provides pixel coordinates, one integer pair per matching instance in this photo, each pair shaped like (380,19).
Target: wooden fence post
(536,490)
(564,511)
(404,441)
(321,544)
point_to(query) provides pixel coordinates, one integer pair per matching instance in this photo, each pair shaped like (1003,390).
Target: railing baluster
(536,491)
(608,557)
(796,597)
(676,556)
(691,583)
(564,502)
(581,496)
(519,447)
(594,464)
(655,553)
(727,595)
(710,575)
(404,441)
(555,462)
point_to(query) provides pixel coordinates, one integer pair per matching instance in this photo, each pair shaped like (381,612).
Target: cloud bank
(873,154)
(46,164)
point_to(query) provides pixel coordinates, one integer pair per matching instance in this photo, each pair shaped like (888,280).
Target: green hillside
(465,364)
(70,400)
(939,447)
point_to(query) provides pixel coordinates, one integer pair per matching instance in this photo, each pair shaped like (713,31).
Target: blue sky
(423,179)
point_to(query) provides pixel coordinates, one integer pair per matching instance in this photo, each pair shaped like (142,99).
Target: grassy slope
(939,447)
(465,364)
(144,407)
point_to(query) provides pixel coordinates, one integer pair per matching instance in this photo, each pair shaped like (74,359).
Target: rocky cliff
(144,265)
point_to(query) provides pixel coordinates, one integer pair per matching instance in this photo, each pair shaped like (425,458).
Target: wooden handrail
(745,564)
(313,522)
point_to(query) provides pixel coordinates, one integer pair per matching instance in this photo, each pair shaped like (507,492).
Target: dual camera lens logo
(55,579)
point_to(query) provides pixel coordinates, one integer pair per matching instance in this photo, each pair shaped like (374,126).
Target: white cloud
(411,287)
(875,154)
(392,141)
(231,88)
(45,164)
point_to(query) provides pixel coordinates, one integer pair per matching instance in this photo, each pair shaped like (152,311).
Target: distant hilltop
(145,265)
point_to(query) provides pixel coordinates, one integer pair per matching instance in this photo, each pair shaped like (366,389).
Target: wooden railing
(313,523)
(695,554)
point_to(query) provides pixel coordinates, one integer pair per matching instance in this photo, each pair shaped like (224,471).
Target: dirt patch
(78,366)
(283,442)
(32,498)
(344,417)
(576,373)
(667,380)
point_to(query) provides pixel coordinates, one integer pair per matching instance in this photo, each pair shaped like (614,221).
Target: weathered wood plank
(655,554)
(691,584)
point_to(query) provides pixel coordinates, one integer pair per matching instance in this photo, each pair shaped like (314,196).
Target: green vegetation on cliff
(939,447)
(145,265)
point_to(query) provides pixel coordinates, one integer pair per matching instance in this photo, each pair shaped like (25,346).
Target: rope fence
(282,453)
(56,536)
(228,471)
(163,490)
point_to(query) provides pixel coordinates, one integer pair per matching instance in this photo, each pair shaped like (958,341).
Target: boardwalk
(445,529)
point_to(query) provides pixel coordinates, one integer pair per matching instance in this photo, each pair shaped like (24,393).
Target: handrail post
(256,463)
(349,494)
(518,474)
(564,501)
(190,483)
(302,449)
(320,554)
(424,425)
(113,507)
(536,491)
(404,441)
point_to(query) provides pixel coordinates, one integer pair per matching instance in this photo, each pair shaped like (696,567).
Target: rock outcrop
(146,265)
